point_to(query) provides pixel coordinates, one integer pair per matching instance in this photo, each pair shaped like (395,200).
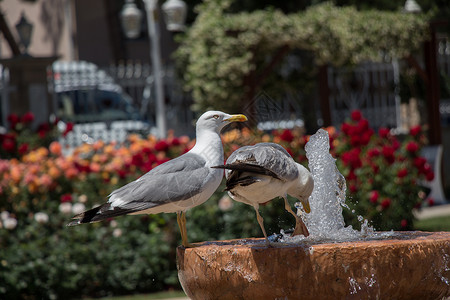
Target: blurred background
(94,93)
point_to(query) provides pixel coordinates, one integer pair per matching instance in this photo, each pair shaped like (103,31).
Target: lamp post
(175,13)
(25,30)
(411,6)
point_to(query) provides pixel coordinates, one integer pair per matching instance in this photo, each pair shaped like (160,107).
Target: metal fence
(371,88)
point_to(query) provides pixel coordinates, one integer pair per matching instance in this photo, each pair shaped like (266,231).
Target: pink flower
(46,180)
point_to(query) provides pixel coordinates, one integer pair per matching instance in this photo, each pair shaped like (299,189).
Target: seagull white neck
(209,145)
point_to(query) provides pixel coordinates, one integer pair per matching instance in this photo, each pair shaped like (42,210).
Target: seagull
(176,185)
(257,174)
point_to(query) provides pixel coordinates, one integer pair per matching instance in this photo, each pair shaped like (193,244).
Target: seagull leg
(181,220)
(300,227)
(261,222)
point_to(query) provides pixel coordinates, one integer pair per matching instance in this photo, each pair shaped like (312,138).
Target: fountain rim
(398,237)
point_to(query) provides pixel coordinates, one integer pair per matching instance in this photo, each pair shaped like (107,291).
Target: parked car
(98,107)
(95,105)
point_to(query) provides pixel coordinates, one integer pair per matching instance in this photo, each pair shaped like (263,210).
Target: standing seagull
(175,186)
(257,174)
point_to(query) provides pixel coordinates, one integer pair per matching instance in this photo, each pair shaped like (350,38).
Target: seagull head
(217,120)
(303,187)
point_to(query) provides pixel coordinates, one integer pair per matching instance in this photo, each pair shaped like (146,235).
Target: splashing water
(325,222)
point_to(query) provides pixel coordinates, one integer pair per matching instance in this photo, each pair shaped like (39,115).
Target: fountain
(334,262)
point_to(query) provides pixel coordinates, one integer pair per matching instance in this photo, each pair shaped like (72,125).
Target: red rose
(388,153)
(9,145)
(373,152)
(386,203)
(419,163)
(412,147)
(66,198)
(402,173)
(363,125)
(345,127)
(414,131)
(383,132)
(287,136)
(161,146)
(374,197)
(351,158)
(23,149)
(13,119)
(356,115)
(404,223)
(175,142)
(365,139)
(430,201)
(69,128)
(429,176)
(28,117)
(355,140)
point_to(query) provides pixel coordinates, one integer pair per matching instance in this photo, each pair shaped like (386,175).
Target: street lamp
(175,11)
(25,30)
(130,18)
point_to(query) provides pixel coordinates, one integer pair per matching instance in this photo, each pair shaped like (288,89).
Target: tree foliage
(223,55)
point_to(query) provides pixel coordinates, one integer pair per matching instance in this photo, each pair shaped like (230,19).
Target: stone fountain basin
(409,265)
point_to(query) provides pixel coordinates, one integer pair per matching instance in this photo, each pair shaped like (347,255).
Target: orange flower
(95,167)
(98,145)
(55,148)
(16,175)
(54,172)
(71,173)
(42,152)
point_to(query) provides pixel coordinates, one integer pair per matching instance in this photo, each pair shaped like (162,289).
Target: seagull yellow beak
(305,204)
(236,118)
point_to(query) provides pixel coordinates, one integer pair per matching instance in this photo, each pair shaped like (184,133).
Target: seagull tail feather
(102,212)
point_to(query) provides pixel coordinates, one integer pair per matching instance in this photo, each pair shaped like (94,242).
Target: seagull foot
(300,228)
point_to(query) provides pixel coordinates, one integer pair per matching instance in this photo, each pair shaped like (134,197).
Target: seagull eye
(216,117)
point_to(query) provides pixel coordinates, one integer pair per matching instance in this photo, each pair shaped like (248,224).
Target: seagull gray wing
(272,159)
(178,179)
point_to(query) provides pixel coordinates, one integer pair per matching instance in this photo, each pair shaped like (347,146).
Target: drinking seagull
(257,174)
(174,186)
